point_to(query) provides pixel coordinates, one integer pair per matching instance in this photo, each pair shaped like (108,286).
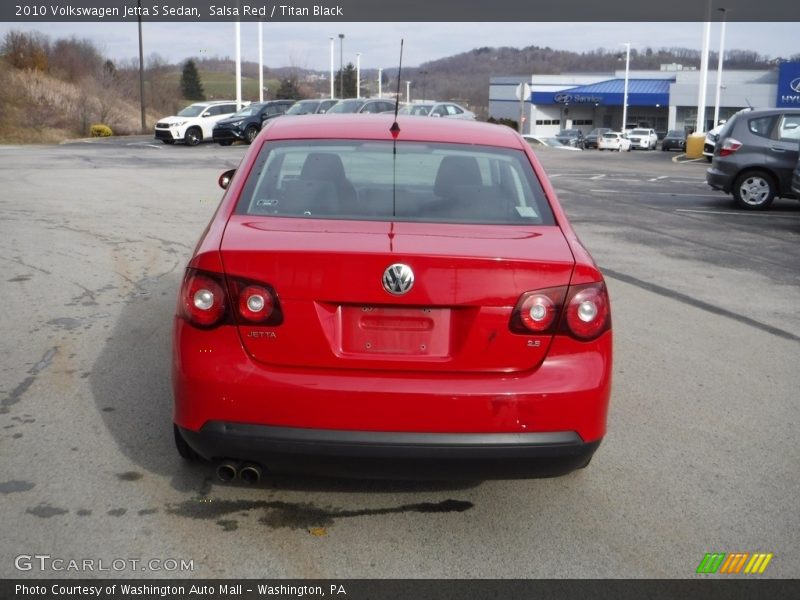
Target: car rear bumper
(230,406)
(393,454)
(719,180)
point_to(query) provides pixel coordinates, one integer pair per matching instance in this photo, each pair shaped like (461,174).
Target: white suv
(195,123)
(646,139)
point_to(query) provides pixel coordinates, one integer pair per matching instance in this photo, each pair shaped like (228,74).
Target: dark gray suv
(755,156)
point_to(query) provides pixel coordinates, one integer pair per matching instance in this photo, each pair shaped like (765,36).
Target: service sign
(788,85)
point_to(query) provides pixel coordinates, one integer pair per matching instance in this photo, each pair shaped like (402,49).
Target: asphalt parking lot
(701,453)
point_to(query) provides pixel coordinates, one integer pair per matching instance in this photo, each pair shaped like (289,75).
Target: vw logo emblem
(795,85)
(398,279)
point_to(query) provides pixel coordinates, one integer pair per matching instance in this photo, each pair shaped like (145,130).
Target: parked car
(538,143)
(417,110)
(245,124)
(674,140)
(404,302)
(571,137)
(711,140)
(644,139)
(448,110)
(311,107)
(796,179)
(195,123)
(755,156)
(614,140)
(361,105)
(591,138)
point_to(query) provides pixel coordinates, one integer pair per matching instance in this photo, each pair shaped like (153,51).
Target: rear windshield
(422,182)
(302,108)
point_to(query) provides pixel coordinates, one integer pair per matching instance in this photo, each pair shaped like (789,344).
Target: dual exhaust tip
(248,473)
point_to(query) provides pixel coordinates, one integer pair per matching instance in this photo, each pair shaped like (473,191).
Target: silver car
(755,155)
(449,110)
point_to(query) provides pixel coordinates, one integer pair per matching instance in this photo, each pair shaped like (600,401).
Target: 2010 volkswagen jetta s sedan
(393,299)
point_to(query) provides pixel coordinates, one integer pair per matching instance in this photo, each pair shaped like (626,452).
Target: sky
(307,45)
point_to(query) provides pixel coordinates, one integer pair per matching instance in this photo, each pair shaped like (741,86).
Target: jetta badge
(398,279)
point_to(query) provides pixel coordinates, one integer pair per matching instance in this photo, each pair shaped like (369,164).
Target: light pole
(724,12)
(380,83)
(141,67)
(260,62)
(341,65)
(358,74)
(332,88)
(408,92)
(238,65)
(701,92)
(625,89)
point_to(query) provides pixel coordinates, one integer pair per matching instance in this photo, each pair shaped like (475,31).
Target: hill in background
(53,90)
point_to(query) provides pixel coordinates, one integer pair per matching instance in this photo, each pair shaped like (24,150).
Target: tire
(193,136)
(226,143)
(169,142)
(709,158)
(754,190)
(250,134)
(183,448)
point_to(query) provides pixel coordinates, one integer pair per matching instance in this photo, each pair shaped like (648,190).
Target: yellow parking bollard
(694,145)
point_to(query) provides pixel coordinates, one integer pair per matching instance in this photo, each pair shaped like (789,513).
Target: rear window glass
(789,130)
(761,126)
(422,182)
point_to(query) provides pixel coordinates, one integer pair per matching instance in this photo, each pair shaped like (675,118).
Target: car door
(782,149)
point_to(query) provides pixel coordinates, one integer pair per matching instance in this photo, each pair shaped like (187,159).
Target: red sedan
(376,301)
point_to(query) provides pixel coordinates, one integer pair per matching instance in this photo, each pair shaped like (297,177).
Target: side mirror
(225,179)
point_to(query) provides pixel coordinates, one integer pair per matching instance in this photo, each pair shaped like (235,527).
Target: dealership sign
(576,99)
(788,85)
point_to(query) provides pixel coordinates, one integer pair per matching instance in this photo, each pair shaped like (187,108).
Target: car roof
(376,127)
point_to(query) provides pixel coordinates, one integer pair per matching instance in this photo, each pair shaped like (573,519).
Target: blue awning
(641,92)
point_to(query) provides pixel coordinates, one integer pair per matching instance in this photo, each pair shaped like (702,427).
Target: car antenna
(395,128)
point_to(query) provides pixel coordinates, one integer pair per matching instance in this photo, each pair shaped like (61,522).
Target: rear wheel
(183,448)
(754,190)
(193,136)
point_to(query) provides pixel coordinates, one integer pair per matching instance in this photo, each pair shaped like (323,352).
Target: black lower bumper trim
(394,455)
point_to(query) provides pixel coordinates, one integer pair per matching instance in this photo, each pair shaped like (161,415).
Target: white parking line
(658,178)
(742,213)
(651,193)
(598,176)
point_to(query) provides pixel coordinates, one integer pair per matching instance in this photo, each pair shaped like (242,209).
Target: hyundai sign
(788,85)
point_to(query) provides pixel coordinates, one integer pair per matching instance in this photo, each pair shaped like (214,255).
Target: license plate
(395,331)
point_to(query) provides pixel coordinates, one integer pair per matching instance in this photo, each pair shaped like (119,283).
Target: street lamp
(358,74)
(341,65)
(332,88)
(625,89)
(724,12)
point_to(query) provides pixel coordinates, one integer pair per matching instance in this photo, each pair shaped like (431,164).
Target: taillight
(202,298)
(585,309)
(729,146)
(256,303)
(587,313)
(537,312)
(207,302)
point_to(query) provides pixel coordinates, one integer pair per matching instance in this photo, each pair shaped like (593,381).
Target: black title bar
(32,11)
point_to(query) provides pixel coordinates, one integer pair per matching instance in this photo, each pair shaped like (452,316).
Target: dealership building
(665,99)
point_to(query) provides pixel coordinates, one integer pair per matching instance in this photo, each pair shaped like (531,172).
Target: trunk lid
(328,276)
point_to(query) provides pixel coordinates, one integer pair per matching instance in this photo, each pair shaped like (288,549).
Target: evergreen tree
(349,81)
(288,90)
(190,82)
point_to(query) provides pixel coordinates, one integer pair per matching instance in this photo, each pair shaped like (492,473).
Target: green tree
(349,81)
(191,87)
(288,89)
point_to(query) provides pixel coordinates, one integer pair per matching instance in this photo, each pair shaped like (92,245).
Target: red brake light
(256,303)
(202,299)
(537,312)
(587,312)
(729,146)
